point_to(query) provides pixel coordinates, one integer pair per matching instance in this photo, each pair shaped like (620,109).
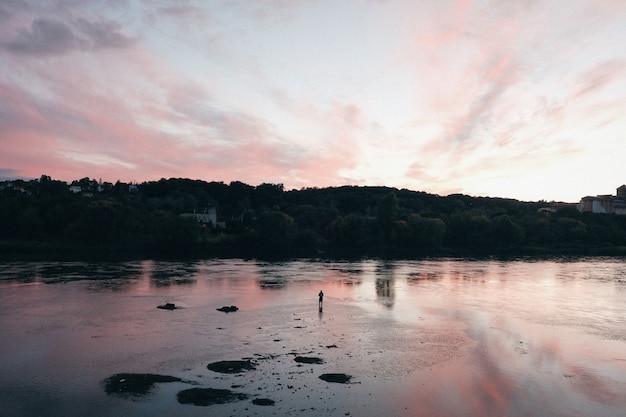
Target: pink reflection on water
(427,338)
(539,342)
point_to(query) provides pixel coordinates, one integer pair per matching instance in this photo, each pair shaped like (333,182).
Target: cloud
(170,127)
(48,36)
(496,77)
(45,37)
(4,13)
(601,76)
(9,174)
(104,34)
(183,13)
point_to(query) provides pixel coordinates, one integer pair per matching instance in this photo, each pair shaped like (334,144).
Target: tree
(10,209)
(172,233)
(469,229)
(506,231)
(354,232)
(268,195)
(566,230)
(425,233)
(275,232)
(104,222)
(386,214)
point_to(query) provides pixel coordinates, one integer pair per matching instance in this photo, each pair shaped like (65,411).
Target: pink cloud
(601,76)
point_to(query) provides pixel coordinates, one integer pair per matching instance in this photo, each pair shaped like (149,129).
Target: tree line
(47,217)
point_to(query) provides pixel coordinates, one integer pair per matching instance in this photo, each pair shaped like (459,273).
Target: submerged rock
(230,367)
(338,378)
(134,385)
(228,309)
(304,359)
(208,396)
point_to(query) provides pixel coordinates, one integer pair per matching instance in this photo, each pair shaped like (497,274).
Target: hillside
(49,219)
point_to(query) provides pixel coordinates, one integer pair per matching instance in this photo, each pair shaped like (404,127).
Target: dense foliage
(47,217)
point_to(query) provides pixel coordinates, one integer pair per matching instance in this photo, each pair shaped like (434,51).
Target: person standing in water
(321,296)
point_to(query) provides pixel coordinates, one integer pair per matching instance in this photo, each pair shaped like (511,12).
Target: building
(609,204)
(208,217)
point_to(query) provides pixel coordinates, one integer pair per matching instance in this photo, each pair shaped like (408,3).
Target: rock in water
(134,385)
(230,367)
(263,401)
(228,309)
(208,396)
(338,378)
(304,359)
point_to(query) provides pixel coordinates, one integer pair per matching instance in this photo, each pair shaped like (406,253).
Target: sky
(518,99)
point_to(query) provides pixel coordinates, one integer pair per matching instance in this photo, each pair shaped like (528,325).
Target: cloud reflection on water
(426,337)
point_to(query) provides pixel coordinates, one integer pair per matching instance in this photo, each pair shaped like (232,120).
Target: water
(419,338)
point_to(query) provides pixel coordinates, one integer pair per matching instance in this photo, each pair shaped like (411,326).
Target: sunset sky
(521,99)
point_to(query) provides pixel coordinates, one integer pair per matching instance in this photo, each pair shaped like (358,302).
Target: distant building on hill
(610,204)
(208,217)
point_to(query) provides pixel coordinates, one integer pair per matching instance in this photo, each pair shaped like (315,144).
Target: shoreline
(24,250)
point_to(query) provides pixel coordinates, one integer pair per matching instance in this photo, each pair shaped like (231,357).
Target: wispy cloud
(602,76)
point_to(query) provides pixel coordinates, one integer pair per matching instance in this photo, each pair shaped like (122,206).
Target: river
(444,337)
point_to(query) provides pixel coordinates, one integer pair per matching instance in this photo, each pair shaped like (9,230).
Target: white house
(608,203)
(208,217)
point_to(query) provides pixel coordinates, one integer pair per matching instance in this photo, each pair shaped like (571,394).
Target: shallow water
(419,338)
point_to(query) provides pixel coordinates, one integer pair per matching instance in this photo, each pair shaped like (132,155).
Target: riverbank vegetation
(46,218)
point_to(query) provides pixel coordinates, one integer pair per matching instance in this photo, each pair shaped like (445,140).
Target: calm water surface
(420,338)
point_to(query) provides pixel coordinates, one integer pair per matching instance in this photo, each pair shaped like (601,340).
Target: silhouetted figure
(321,295)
